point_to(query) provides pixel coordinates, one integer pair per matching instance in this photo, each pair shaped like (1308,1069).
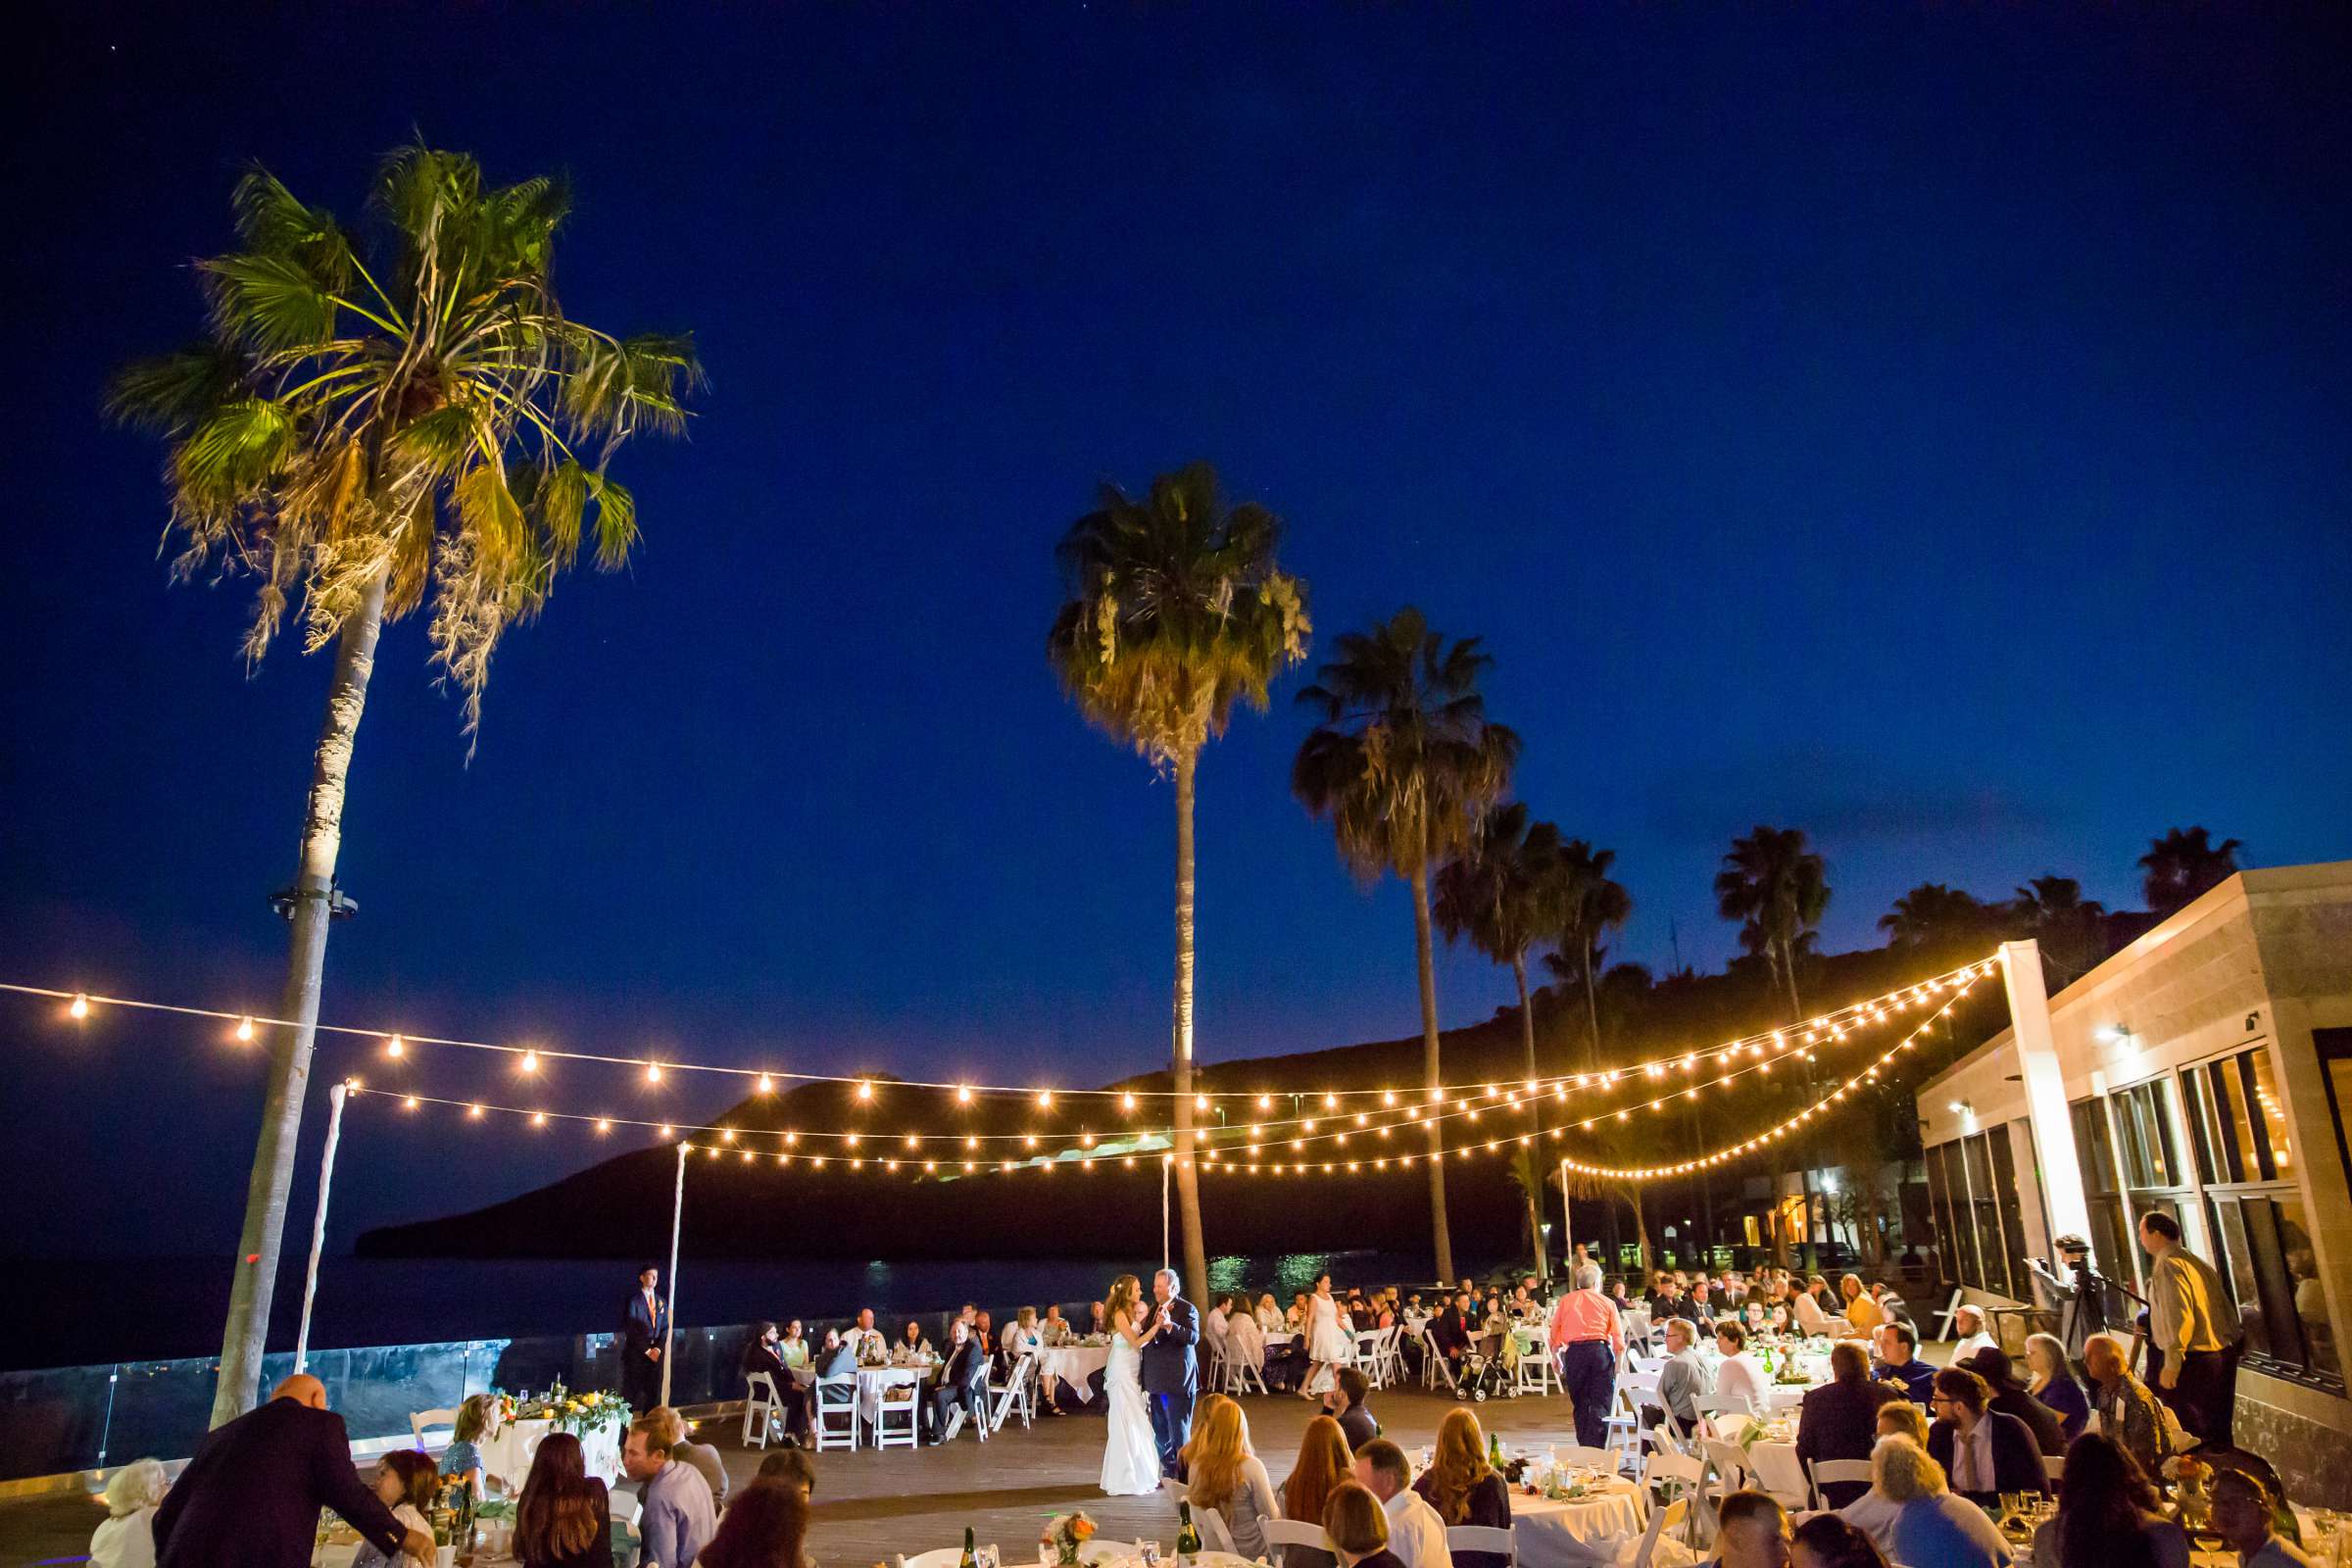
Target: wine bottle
(1495,1449)
(1188,1536)
(966,1560)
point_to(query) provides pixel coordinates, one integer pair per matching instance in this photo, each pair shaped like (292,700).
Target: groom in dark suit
(644,1322)
(1171,1373)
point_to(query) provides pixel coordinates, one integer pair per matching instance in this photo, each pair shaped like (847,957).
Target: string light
(768,1085)
(80,1007)
(396,1047)
(653,1072)
(244,1028)
(530,1061)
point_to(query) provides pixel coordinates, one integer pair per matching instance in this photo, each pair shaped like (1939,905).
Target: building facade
(2206,1071)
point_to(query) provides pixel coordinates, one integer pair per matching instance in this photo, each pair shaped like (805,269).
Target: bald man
(251,1496)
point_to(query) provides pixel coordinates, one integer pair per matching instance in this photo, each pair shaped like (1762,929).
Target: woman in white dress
(1130,1453)
(1327,1342)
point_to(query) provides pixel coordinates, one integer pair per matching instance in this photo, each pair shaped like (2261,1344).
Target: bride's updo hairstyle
(1125,1292)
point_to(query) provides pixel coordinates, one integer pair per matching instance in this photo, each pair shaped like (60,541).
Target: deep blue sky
(1925,426)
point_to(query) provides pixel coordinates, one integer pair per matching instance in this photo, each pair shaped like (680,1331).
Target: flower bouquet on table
(2189,1477)
(1065,1533)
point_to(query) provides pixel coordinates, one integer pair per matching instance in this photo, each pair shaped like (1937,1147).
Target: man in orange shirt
(1587,1339)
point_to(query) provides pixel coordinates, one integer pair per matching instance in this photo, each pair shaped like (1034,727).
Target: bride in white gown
(1130,1454)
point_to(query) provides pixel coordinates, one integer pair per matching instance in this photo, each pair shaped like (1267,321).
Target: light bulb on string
(244,1029)
(80,1007)
(410,1103)
(530,1061)
(1127,1101)
(653,1072)
(1044,1099)
(766,1085)
(396,1047)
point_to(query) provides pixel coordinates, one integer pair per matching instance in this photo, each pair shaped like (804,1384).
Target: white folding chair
(1482,1537)
(1834,1472)
(1282,1532)
(837,1417)
(939,1557)
(1014,1396)
(1571,1453)
(1214,1536)
(1670,1476)
(1714,1404)
(762,1406)
(421,1420)
(1951,1310)
(1242,1375)
(1435,1372)
(1774,1468)
(1673,1516)
(1726,1468)
(1366,1358)
(896,1420)
(1624,1423)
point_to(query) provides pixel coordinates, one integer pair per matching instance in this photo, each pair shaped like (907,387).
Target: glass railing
(59,1420)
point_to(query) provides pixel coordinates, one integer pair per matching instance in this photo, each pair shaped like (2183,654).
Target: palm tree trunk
(1527,1036)
(1440,1238)
(1804,1143)
(243,1337)
(1641,1247)
(1188,1176)
(1608,1209)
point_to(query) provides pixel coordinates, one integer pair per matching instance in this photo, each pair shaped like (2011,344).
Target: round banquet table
(872,1380)
(1073,1364)
(1576,1533)
(507,1453)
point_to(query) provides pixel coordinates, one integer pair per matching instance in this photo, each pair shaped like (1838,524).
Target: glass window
(2013,1212)
(1940,1200)
(2335,1071)
(2307,1297)
(2200,1124)
(2144,1126)
(2237,1132)
(2274,1130)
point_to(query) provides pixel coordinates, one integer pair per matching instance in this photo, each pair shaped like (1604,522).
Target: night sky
(1924,426)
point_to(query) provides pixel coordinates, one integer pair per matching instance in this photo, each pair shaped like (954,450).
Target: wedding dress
(1130,1454)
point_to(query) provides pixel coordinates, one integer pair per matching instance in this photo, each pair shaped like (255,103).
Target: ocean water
(76,1312)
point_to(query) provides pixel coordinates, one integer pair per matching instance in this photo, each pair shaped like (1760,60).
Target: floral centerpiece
(1065,1533)
(2190,1476)
(579,1414)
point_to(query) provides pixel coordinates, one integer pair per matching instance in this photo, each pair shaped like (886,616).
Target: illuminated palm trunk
(1534,1105)
(1188,1175)
(1440,1237)
(243,1338)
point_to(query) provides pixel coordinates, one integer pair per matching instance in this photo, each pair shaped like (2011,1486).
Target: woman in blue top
(2054,1384)
(464,1455)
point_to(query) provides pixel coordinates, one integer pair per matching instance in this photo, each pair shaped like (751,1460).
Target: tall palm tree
(1503,893)
(1589,905)
(1938,920)
(2070,930)
(1402,764)
(1776,886)
(366,428)
(2184,863)
(1177,612)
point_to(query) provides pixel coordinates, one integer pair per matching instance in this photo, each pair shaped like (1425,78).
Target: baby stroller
(1490,1366)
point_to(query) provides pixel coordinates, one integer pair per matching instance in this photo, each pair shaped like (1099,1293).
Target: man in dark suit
(644,1322)
(250,1497)
(963,1383)
(1171,1374)
(1983,1451)
(1841,1419)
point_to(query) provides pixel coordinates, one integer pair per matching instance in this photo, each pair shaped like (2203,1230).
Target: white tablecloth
(1578,1532)
(1073,1364)
(507,1453)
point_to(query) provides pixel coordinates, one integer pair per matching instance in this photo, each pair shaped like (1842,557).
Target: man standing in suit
(250,1497)
(1171,1372)
(644,1323)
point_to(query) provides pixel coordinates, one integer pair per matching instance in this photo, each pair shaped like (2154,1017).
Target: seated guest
(792,1348)
(564,1517)
(476,1418)
(1246,1342)
(2009,1397)
(1451,1331)
(676,1513)
(983,1330)
(405,1482)
(1682,1382)
(1916,1518)
(764,1352)
(1324,1463)
(126,1537)
(1891,1307)
(1222,1472)
(252,1494)
(2107,1515)
(2128,1411)
(1839,1420)
(836,1357)
(1054,1326)
(1345,1403)
(1099,1322)
(866,1340)
(1269,1314)
(912,1344)
(1751,1532)
(1901,1418)
(1826,1541)
(1740,1375)
(669,1428)
(1861,1307)
(1218,1324)
(767,1528)
(1900,1362)
(962,1386)
(1983,1451)
(1873,1510)
(1296,1318)
(1462,1487)
(1777,1320)
(759,1354)
(1615,1292)
(1968,1322)
(1025,1335)
(1704,1304)
(1811,1317)
(1358,1527)
(1655,1296)
(2053,1383)
(2245,1516)
(791,1467)
(1416,1535)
